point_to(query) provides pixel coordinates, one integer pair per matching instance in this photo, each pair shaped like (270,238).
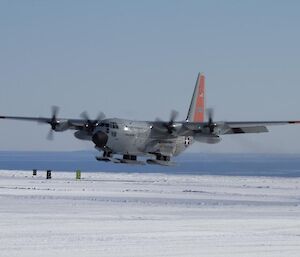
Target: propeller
(210,124)
(91,124)
(170,125)
(173,116)
(53,122)
(50,135)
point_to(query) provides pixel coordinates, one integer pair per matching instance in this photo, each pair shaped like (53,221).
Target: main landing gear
(161,160)
(127,158)
(106,157)
(132,159)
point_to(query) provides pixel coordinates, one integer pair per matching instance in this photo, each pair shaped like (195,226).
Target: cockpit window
(113,125)
(109,125)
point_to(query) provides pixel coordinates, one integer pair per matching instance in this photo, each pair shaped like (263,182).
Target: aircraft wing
(251,127)
(63,124)
(237,127)
(41,120)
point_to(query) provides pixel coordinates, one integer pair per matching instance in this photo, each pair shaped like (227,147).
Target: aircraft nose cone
(100,139)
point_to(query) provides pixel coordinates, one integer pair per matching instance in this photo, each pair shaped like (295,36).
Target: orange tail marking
(200,108)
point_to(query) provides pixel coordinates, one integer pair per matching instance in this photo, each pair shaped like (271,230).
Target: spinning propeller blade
(210,124)
(91,124)
(53,122)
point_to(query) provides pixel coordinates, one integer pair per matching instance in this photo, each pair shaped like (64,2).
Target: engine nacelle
(62,126)
(83,135)
(208,139)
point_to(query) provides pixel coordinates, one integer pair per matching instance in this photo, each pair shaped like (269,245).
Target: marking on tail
(199,111)
(197,106)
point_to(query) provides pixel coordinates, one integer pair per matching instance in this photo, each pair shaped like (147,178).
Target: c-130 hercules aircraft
(159,140)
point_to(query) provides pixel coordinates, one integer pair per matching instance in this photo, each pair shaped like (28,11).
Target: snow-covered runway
(130,214)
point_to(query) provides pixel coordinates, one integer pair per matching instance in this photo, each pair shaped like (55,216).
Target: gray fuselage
(136,138)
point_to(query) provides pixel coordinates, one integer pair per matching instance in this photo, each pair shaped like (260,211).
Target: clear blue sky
(140,59)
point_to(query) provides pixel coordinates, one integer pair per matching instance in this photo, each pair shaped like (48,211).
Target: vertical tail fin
(197,106)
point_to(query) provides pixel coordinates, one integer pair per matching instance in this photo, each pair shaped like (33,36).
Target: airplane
(158,140)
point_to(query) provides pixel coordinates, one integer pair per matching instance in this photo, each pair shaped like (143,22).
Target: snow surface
(133,214)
